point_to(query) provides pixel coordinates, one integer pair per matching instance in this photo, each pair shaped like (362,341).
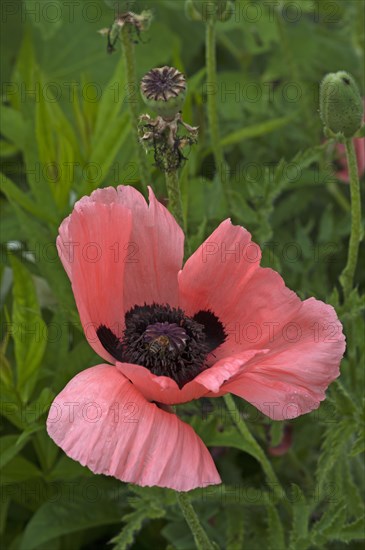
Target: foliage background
(72,135)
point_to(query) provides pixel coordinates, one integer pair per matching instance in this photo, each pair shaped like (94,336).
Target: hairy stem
(273,481)
(174,195)
(201,538)
(347,276)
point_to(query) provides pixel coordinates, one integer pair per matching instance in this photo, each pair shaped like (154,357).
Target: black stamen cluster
(181,345)
(182,366)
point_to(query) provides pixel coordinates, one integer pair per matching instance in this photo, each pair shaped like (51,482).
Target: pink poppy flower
(169,335)
(342,173)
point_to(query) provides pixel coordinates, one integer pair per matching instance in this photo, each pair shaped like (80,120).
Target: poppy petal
(292,378)
(224,276)
(156,252)
(92,244)
(101,420)
(165,390)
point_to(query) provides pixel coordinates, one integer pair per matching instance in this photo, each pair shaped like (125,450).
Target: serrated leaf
(336,437)
(330,523)
(358,445)
(134,523)
(352,531)
(342,399)
(275,529)
(235,530)
(301,512)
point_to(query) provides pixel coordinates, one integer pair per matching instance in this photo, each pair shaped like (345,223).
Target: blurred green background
(66,131)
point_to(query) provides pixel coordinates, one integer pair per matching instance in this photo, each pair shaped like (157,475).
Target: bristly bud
(209,10)
(164,91)
(341,105)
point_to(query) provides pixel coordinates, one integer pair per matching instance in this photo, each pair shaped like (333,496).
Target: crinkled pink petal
(165,390)
(303,360)
(101,420)
(119,252)
(224,276)
(91,245)
(156,252)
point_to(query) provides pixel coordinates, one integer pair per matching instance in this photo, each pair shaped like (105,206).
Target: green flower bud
(341,106)
(164,90)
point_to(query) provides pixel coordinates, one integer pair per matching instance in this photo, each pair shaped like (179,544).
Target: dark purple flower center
(165,340)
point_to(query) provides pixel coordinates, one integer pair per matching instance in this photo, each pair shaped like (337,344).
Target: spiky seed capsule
(164,90)
(341,106)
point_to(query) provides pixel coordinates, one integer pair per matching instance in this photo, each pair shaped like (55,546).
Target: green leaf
(275,534)
(14,193)
(213,435)
(5,501)
(235,531)
(88,508)
(276,433)
(110,103)
(301,512)
(10,447)
(104,151)
(40,240)
(49,23)
(19,469)
(67,469)
(134,522)
(336,438)
(330,523)
(29,330)
(254,131)
(352,531)
(12,126)
(359,444)
(342,400)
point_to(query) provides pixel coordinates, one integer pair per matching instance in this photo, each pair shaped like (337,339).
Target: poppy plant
(170,334)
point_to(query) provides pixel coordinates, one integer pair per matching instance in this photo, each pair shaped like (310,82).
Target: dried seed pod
(164,90)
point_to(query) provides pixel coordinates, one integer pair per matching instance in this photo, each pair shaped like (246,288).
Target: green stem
(257,451)
(174,195)
(220,164)
(347,276)
(130,67)
(201,538)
